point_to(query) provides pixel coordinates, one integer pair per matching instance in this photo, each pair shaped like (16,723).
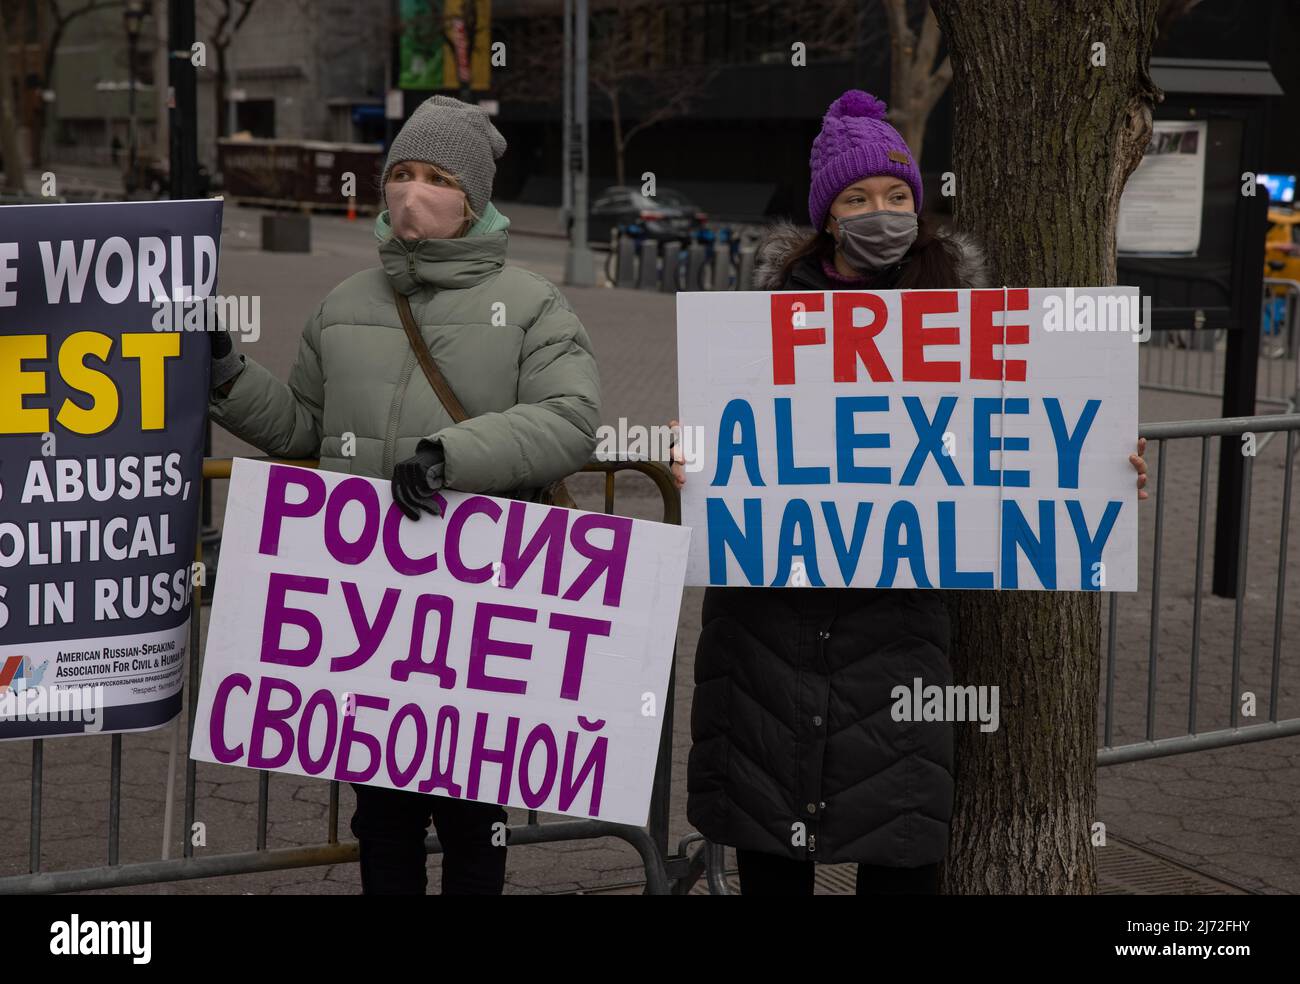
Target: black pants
(391,825)
(771,874)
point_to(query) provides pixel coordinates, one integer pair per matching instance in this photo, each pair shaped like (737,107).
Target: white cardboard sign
(973,439)
(507,652)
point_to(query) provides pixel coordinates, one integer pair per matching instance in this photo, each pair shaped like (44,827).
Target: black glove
(222,346)
(416,479)
(226,363)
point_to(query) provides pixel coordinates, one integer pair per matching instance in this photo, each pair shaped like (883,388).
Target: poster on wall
(1160,209)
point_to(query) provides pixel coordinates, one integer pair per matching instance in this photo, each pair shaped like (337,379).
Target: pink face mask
(418,210)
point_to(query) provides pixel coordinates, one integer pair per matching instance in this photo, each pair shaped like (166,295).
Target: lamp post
(133,17)
(579,264)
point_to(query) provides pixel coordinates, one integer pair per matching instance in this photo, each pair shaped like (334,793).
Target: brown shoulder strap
(427,363)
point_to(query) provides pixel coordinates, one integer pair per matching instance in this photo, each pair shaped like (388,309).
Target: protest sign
(892,439)
(507,652)
(102,407)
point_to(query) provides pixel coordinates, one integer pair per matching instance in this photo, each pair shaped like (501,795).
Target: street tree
(1052,100)
(9,146)
(648,69)
(59,17)
(226,18)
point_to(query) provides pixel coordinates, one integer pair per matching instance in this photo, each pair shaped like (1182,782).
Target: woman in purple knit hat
(795,758)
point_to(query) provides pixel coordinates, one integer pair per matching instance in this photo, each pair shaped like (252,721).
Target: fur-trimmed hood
(782,238)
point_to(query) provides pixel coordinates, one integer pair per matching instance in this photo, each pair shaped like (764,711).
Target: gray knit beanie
(456,136)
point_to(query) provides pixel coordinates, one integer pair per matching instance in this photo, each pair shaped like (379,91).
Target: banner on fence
(897,439)
(507,652)
(102,406)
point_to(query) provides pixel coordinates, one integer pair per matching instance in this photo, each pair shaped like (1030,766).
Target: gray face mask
(875,240)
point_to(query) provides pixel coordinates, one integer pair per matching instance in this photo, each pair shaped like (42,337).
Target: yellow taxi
(1282,244)
(1282,262)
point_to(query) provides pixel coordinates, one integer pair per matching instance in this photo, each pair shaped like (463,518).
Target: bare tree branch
(60,22)
(229,19)
(643,61)
(901,40)
(929,45)
(915,83)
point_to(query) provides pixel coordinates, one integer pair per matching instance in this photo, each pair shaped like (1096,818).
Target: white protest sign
(892,439)
(506,652)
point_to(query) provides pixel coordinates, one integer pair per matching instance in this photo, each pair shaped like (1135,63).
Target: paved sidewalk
(534,220)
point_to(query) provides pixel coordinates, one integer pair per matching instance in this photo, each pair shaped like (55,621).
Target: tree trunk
(1044,141)
(219,90)
(45,117)
(40,120)
(13,157)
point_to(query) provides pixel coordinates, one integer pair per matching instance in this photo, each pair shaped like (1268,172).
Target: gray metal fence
(1170,665)
(694,857)
(1192,361)
(1225,666)
(1169,498)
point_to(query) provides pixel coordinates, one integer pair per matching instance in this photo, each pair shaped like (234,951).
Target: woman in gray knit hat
(516,357)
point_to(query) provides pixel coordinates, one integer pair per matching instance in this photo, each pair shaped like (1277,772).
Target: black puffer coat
(794,749)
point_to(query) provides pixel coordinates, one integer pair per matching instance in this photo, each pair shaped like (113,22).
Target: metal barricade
(1192,361)
(695,857)
(1195,739)
(650,842)
(1150,746)
(1279,358)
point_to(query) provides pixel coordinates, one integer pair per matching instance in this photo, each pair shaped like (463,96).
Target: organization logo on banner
(12,675)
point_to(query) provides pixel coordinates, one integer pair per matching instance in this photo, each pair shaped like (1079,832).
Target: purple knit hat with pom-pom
(856,143)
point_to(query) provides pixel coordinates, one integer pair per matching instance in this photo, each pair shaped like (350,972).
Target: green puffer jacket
(507,341)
